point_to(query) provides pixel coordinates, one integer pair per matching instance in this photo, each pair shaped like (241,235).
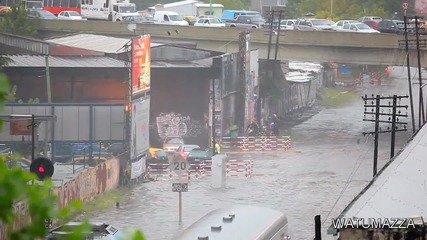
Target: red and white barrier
(233,168)
(156,170)
(258,143)
(239,168)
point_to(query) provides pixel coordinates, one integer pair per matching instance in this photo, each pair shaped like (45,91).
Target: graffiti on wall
(175,124)
(84,187)
(22,218)
(90,183)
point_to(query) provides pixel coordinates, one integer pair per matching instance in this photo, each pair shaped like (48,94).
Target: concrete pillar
(218,171)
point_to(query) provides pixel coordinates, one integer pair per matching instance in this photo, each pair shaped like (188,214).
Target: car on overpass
(288,24)
(70,15)
(369,18)
(372,23)
(314,24)
(209,22)
(41,14)
(391,26)
(340,23)
(357,27)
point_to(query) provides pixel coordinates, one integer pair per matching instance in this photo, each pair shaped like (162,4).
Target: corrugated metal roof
(399,190)
(65,62)
(94,42)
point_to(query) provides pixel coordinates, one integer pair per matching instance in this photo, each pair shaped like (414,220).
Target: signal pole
(392,117)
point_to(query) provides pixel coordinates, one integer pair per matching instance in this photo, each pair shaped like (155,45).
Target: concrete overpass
(312,46)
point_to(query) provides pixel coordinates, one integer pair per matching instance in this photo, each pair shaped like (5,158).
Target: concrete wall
(316,46)
(83,187)
(89,184)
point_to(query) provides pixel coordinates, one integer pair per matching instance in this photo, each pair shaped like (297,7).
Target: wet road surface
(330,160)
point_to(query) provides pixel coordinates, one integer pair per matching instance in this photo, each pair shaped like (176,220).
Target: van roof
(167,12)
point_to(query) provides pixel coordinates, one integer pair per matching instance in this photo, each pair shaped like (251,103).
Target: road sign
(179,164)
(179,187)
(405,5)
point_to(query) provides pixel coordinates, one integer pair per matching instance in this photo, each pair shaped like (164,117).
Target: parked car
(172,143)
(209,22)
(372,23)
(169,17)
(390,26)
(197,155)
(194,20)
(233,14)
(39,13)
(156,156)
(288,24)
(314,24)
(70,15)
(246,21)
(340,23)
(369,18)
(4,10)
(357,27)
(410,27)
(146,15)
(136,19)
(183,150)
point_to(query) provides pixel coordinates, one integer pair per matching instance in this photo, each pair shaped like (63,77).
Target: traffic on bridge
(214,120)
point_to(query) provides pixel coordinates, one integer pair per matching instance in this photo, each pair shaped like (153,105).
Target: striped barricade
(232,167)
(158,170)
(258,143)
(239,168)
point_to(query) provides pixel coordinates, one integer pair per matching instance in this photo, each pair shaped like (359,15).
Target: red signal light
(42,167)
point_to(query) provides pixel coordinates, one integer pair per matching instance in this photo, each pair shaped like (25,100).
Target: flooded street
(329,164)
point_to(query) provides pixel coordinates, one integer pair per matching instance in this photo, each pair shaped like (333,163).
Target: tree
(17,22)
(4,61)
(344,9)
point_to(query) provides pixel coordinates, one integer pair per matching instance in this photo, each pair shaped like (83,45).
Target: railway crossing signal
(42,167)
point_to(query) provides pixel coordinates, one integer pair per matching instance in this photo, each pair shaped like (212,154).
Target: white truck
(111,10)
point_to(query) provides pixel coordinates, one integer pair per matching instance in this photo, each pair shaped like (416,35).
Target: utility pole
(421,102)
(213,116)
(392,117)
(271,33)
(244,48)
(408,67)
(210,8)
(278,35)
(48,86)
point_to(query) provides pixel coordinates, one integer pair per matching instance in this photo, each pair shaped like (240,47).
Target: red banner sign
(20,127)
(141,64)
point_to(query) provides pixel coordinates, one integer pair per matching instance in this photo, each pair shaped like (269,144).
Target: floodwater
(330,163)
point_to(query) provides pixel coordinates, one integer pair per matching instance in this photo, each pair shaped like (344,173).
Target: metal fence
(73,128)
